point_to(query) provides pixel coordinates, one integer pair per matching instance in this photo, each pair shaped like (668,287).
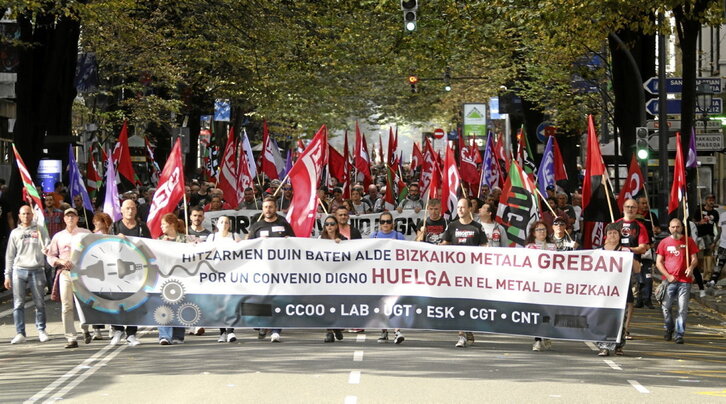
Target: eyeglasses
(558,224)
(540,229)
(386,222)
(630,207)
(287,189)
(330,223)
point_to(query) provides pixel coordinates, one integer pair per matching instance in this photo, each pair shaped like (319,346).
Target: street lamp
(704,96)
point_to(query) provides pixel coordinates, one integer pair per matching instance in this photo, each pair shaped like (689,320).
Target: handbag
(55,291)
(660,291)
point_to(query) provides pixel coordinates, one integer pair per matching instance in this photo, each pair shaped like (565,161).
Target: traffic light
(413,80)
(641,143)
(409,8)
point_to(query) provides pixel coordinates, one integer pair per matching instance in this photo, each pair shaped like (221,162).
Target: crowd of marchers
(37,257)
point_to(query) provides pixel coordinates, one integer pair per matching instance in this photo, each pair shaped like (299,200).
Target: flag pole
(423,227)
(685,226)
(647,199)
(608,195)
(186,214)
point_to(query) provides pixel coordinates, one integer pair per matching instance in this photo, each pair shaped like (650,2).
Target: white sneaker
(702,293)
(176,342)
(462,342)
(19,339)
(231,337)
(275,337)
(537,346)
(222,337)
(131,339)
(42,336)
(399,338)
(546,344)
(97,336)
(116,338)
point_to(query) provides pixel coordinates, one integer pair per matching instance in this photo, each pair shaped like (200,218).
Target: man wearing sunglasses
(385,230)
(464,231)
(560,237)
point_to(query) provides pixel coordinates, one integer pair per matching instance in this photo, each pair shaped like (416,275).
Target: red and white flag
(304,177)
(122,156)
(170,190)
(450,183)
(469,172)
(429,166)
(244,177)
(346,171)
(30,192)
(269,161)
(361,160)
(633,183)
(228,171)
(416,157)
(93,178)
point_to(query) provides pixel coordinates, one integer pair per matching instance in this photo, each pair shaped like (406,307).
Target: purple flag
(76,186)
(489,177)
(111,204)
(288,163)
(546,172)
(691,161)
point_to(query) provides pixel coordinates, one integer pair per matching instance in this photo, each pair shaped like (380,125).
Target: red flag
(268,157)
(361,160)
(450,182)
(228,172)
(154,166)
(678,188)
(416,157)
(122,156)
(380,149)
(170,191)
(633,183)
(336,164)
(346,168)
(502,157)
(391,146)
(596,210)
(93,178)
(304,177)
(244,177)
(469,173)
(428,167)
(560,172)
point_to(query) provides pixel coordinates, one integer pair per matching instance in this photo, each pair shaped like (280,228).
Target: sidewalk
(715,298)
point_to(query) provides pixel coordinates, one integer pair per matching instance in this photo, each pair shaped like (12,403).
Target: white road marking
(591,346)
(612,364)
(354,377)
(360,338)
(350,400)
(638,386)
(83,366)
(358,356)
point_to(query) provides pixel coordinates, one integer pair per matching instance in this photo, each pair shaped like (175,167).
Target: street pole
(662,124)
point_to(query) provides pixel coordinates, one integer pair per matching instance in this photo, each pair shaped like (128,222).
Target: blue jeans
(171,333)
(35,280)
(681,291)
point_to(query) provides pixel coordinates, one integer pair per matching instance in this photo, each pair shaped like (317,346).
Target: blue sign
(222,112)
(674,106)
(494,108)
(542,130)
(675,84)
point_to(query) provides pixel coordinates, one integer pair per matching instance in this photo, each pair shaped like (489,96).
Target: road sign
(674,106)
(675,125)
(675,84)
(704,142)
(545,129)
(439,133)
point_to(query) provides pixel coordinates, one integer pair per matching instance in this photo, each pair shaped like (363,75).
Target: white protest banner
(310,283)
(406,222)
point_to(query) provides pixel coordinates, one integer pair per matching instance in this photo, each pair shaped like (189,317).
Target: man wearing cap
(560,237)
(59,254)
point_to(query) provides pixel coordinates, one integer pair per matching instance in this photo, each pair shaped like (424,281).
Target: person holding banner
(130,226)
(331,232)
(435,224)
(59,257)
(539,239)
(385,230)
(271,225)
(199,232)
(560,237)
(612,243)
(634,238)
(224,234)
(676,261)
(172,229)
(464,231)
(25,268)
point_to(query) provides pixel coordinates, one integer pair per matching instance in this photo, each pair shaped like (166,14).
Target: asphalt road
(425,368)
